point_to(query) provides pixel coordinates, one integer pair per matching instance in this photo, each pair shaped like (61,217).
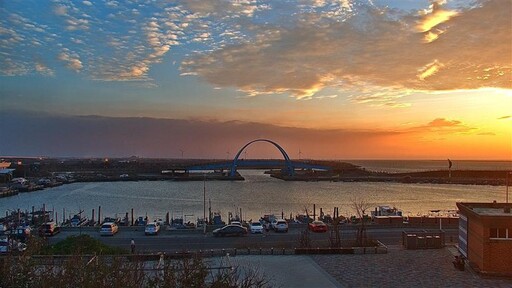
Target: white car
(256,227)
(152,228)
(4,245)
(109,229)
(236,223)
(281,226)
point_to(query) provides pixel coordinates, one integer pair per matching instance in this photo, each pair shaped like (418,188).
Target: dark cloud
(35,134)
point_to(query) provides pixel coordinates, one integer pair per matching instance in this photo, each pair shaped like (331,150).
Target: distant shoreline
(58,170)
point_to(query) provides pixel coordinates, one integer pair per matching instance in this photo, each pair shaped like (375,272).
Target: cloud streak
(442,126)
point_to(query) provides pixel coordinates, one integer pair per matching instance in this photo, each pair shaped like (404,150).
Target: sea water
(259,194)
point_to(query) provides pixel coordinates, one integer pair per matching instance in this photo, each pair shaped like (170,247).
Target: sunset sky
(346,79)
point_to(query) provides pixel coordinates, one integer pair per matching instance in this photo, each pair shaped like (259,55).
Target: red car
(317,226)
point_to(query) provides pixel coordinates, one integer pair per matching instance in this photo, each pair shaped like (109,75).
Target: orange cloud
(442,126)
(436,17)
(369,49)
(429,70)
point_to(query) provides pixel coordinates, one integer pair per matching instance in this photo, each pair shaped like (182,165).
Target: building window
(500,233)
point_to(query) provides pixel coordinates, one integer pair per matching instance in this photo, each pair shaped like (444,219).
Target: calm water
(429,165)
(258,195)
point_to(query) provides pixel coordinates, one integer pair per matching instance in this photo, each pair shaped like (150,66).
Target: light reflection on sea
(398,166)
(258,195)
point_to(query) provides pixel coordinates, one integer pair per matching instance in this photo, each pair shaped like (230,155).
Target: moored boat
(78,220)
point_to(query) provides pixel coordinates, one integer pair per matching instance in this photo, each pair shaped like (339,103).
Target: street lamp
(506,184)
(204,204)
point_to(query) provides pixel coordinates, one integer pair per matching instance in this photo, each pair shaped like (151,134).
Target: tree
(304,237)
(126,270)
(361,206)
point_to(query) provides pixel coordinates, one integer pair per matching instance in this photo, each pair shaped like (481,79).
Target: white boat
(386,211)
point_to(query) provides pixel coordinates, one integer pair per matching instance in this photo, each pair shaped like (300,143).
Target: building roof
(6,171)
(486,209)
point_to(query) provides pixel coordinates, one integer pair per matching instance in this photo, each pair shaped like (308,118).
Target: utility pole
(204,204)
(449,168)
(506,184)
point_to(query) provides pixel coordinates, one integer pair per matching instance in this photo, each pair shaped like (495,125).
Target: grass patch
(81,244)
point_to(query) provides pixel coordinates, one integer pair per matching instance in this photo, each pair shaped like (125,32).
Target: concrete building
(485,237)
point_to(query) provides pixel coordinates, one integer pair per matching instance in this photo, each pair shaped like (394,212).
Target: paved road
(176,240)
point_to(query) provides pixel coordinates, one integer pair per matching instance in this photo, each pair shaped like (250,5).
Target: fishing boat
(78,220)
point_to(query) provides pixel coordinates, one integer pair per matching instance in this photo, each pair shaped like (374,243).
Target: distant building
(6,175)
(4,165)
(485,237)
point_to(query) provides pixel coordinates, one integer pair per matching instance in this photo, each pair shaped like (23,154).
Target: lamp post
(506,184)
(204,204)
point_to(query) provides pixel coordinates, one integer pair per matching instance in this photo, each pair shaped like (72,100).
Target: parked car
(281,226)
(256,227)
(4,245)
(109,229)
(160,222)
(49,229)
(317,226)
(141,221)
(22,233)
(7,246)
(152,228)
(230,230)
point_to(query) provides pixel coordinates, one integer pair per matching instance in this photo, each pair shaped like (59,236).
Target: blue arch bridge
(287,166)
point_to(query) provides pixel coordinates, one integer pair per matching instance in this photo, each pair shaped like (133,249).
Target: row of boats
(20,185)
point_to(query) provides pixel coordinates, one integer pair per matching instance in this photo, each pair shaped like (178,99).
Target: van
(49,229)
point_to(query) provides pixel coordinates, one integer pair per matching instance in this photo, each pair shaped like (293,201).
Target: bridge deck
(261,164)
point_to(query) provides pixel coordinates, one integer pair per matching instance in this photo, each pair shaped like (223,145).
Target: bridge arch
(287,159)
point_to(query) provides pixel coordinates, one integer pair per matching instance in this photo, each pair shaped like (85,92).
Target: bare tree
(361,206)
(304,237)
(335,239)
(27,270)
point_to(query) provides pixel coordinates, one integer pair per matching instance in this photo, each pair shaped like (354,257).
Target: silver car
(4,245)
(281,226)
(108,229)
(152,228)
(256,227)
